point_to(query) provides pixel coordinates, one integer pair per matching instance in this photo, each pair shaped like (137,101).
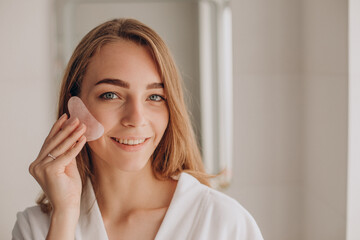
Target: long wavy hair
(178,149)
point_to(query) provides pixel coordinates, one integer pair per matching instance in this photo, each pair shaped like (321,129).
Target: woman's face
(123,90)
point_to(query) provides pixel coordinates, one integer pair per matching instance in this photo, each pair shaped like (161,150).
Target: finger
(69,142)
(58,138)
(37,163)
(52,143)
(59,160)
(31,168)
(57,126)
(47,160)
(67,157)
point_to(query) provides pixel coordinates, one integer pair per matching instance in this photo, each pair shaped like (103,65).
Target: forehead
(123,60)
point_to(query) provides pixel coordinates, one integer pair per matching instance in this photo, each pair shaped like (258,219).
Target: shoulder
(31,223)
(225,214)
(224,207)
(230,211)
(214,201)
(220,201)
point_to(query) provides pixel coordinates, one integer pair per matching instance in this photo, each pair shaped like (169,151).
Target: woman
(143,178)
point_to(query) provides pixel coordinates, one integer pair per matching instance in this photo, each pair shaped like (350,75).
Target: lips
(126,141)
(130,144)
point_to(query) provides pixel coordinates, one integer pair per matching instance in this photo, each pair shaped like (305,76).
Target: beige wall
(290,86)
(267,114)
(325,103)
(26,101)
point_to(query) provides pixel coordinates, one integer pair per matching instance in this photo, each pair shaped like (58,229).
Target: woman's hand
(55,167)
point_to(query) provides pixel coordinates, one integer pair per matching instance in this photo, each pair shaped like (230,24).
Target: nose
(134,114)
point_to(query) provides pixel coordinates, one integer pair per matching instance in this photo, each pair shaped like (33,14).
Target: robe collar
(184,210)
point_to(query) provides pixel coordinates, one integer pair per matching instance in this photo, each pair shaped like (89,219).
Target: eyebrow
(124,84)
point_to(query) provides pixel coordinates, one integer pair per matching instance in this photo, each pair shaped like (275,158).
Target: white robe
(195,212)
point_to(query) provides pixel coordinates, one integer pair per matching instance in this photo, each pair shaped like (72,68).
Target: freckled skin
(126,112)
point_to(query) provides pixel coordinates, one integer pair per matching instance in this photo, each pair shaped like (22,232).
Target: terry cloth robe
(196,212)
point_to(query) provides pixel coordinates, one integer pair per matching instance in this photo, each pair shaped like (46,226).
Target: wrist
(70,216)
(63,224)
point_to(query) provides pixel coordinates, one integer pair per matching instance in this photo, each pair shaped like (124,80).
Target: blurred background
(296,97)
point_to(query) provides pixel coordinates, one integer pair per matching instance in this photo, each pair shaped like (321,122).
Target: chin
(111,158)
(128,165)
(131,167)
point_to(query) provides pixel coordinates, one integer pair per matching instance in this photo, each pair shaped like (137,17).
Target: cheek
(105,116)
(161,120)
(107,119)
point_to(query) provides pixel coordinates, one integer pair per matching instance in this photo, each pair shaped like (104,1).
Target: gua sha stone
(77,109)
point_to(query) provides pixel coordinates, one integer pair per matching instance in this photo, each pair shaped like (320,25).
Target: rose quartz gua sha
(77,109)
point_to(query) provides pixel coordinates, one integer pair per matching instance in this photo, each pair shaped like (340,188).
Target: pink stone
(77,109)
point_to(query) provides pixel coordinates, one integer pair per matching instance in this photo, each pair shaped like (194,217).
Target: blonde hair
(178,150)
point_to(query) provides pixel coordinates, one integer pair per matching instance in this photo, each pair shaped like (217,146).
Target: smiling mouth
(130,142)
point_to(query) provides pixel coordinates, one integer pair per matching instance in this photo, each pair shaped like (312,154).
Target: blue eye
(109,95)
(156,98)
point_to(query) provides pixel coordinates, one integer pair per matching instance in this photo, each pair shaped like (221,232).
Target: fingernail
(62,116)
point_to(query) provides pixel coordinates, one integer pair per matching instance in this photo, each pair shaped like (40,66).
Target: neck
(120,193)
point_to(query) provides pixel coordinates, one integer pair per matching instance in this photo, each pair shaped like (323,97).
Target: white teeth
(130,141)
